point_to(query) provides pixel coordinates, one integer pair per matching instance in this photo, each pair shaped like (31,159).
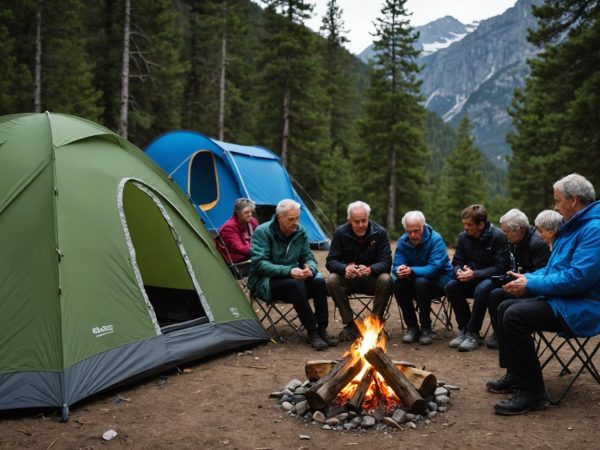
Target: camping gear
(106,272)
(214,174)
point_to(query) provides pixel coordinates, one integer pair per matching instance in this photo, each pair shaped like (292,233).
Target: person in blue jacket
(562,297)
(421,269)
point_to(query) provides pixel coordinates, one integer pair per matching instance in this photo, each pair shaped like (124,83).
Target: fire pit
(365,388)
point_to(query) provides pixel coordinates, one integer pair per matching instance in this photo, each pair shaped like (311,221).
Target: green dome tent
(106,272)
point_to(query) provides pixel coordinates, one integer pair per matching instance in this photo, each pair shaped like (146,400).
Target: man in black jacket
(528,253)
(359,261)
(481,251)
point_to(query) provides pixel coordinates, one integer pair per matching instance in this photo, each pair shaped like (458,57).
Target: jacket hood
(590,212)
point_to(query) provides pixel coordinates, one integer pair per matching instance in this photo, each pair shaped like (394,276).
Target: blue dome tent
(214,173)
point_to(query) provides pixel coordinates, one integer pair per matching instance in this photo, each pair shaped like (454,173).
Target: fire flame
(371,336)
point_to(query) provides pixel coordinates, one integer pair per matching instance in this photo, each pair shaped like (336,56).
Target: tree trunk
(396,380)
(125,73)
(391,208)
(37,95)
(328,387)
(286,128)
(222,81)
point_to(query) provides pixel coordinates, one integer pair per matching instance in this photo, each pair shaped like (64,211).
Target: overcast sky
(360,14)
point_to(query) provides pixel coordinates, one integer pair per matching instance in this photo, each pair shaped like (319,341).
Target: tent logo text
(234,311)
(103,330)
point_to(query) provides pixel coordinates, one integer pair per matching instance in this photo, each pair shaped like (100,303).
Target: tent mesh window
(166,278)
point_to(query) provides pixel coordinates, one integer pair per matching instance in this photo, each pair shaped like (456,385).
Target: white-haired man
(562,297)
(421,270)
(359,261)
(284,268)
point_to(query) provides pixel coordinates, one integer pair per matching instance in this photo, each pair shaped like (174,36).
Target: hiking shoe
(501,385)
(492,342)
(349,333)
(523,401)
(315,341)
(426,337)
(329,340)
(411,335)
(454,343)
(471,342)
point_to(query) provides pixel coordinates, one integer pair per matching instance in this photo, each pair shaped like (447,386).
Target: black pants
(458,292)
(497,296)
(422,290)
(297,292)
(517,320)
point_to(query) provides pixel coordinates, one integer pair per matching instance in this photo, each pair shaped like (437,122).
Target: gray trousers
(339,287)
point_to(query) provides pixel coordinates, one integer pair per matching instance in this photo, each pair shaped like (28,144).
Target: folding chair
(275,312)
(566,350)
(364,305)
(442,314)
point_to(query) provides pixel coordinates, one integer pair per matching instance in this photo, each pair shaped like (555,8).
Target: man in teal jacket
(563,297)
(284,268)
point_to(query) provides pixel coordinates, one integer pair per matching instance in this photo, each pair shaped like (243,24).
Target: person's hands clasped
(357,271)
(518,286)
(465,274)
(403,271)
(298,273)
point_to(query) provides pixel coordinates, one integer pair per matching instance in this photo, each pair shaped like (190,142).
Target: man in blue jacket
(481,251)
(421,270)
(562,297)
(359,261)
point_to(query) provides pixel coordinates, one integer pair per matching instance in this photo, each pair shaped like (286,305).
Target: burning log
(361,390)
(396,380)
(423,381)
(327,388)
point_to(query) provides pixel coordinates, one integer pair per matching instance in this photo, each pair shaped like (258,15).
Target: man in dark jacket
(283,268)
(481,251)
(563,297)
(359,261)
(528,253)
(421,270)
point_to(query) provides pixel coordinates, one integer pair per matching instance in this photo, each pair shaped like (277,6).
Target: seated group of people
(530,278)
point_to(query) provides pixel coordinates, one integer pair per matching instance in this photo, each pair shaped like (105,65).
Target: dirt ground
(223,403)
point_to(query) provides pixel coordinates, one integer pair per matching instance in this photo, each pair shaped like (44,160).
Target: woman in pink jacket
(233,240)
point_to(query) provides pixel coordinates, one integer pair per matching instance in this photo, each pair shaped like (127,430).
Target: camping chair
(582,349)
(442,314)
(275,312)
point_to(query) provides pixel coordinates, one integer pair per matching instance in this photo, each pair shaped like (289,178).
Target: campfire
(366,378)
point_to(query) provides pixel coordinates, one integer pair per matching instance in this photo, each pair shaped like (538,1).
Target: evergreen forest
(253,73)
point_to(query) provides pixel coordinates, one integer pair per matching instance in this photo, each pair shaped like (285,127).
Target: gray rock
(357,420)
(432,406)
(287,406)
(432,414)
(300,391)
(349,426)
(368,421)
(442,409)
(326,427)
(306,384)
(301,408)
(379,414)
(441,383)
(277,394)
(298,398)
(286,398)
(318,416)
(452,388)
(390,422)
(352,413)
(399,416)
(411,425)
(334,421)
(293,384)
(342,416)
(305,437)
(410,416)
(440,391)
(287,391)
(442,400)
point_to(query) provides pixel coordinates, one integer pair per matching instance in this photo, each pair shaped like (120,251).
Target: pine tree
(556,115)
(463,182)
(395,154)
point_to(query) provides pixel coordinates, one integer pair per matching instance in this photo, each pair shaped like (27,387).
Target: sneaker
(329,340)
(349,333)
(523,401)
(315,341)
(426,337)
(411,335)
(492,342)
(501,385)
(471,342)
(454,343)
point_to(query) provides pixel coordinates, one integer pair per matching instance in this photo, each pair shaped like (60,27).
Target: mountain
(433,36)
(477,75)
